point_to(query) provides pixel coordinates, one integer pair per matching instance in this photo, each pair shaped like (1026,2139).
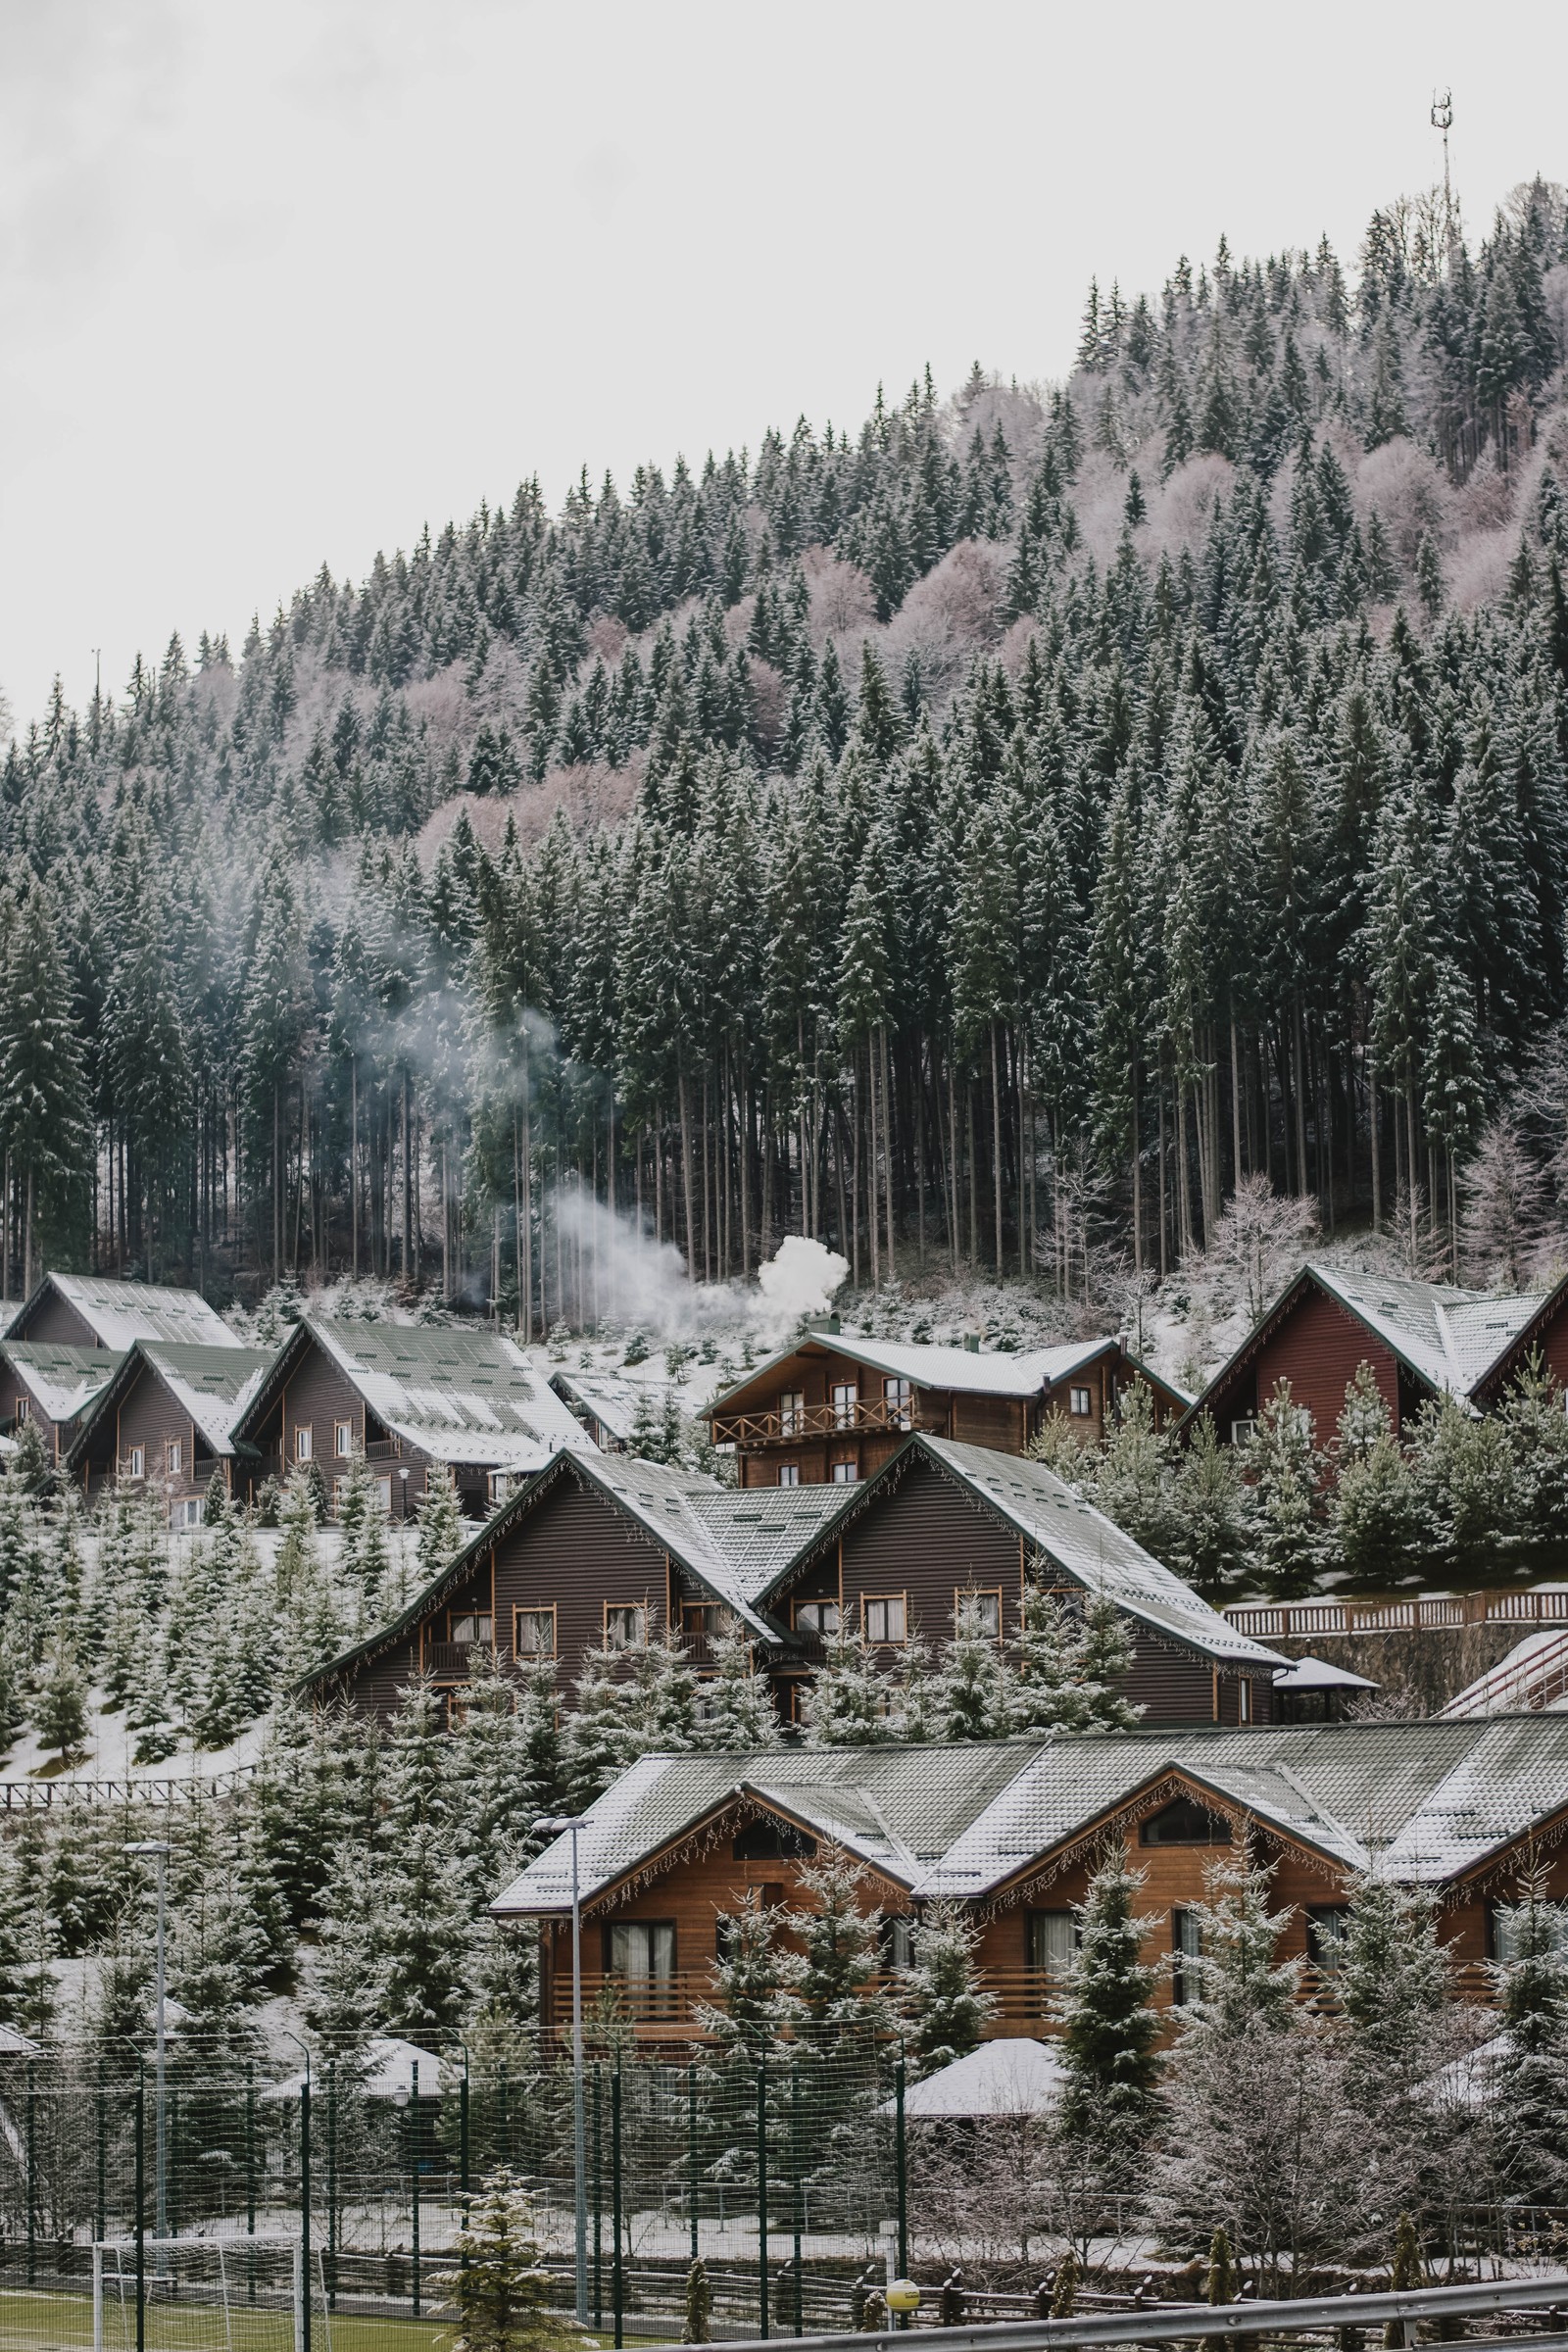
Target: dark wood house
(599,1549)
(88,1310)
(834,1407)
(1013,1831)
(1421,1340)
(165,1418)
(51,1383)
(411,1397)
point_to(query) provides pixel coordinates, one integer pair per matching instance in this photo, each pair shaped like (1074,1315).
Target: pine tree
(59,1708)
(752,1981)
(697,2319)
(838,1935)
(973,1699)
(443,1530)
(1108,2027)
(736,1709)
(1047,1692)
(1392,1980)
(847,1703)
(1280,1471)
(1531,2082)
(504,2293)
(944,2008)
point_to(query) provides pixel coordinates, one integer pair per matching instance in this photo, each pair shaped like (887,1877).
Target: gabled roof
(1082,1545)
(613,1398)
(459,1396)
(119,1312)
(1448,1338)
(211,1385)
(970,1371)
(62,1380)
(1421,1801)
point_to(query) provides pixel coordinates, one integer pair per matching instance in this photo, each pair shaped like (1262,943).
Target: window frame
(792,1412)
(340,1431)
(963,1592)
(844,1473)
(136,1461)
(1327,1927)
(844,1403)
(624,1608)
(305,1440)
(24,1411)
(1080,1403)
(789,1474)
(174,1457)
(822,1633)
(884,1600)
(898,1398)
(1191,1804)
(457,1617)
(541,1609)
(653,1979)
(1035,1939)
(185,1513)
(1186,1945)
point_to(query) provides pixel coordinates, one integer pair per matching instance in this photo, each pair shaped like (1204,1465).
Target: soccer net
(213,2294)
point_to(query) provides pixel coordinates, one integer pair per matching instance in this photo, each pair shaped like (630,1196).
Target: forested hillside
(980,838)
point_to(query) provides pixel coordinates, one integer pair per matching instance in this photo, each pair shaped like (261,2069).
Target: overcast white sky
(277,285)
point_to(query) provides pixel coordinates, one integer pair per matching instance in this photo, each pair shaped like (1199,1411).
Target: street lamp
(160,1850)
(560,1824)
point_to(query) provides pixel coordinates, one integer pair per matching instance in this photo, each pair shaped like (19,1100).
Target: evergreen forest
(981,840)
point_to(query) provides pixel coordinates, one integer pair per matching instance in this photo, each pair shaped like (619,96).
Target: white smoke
(619,1274)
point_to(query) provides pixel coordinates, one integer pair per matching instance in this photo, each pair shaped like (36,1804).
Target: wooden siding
(12,1390)
(55,1319)
(1317,1347)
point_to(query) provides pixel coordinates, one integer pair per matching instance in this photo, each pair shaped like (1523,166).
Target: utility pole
(1442,119)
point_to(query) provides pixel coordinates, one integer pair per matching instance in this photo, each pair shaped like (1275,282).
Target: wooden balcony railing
(1421,1612)
(819,1421)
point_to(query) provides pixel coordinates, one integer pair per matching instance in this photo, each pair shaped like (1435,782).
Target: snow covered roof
(62,1380)
(1451,1335)
(1005,2077)
(972,1371)
(1317,1673)
(386,2072)
(467,1397)
(1092,1551)
(212,1386)
(613,1398)
(120,1312)
(1421,1801)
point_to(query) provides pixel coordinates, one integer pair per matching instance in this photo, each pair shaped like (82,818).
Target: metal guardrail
(1533,1683)
(27,1796)
(1179,2323)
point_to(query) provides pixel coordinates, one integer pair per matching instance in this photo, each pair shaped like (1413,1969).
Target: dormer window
(1185,1823)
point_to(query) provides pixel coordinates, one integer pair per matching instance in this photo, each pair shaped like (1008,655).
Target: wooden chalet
(165,1418)
(604,1403)
(834,1407)
(1013,1831)
(51,1383)
(1422,1339)
(614,1549)
(411,1397)
(87,1311)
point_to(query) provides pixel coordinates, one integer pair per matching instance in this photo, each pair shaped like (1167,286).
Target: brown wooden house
(834,1407)
(165,1418)
(1422,1339)
(1013,1831)
(51,1383)
(409,1396)
(611,1547)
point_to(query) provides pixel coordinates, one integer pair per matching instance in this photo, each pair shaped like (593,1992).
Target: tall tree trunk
(887,1139)
(686,1171)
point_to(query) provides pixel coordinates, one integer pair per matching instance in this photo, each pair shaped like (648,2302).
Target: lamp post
(160,1849)
(554,1825)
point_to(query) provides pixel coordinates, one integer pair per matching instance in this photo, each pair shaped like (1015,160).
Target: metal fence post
(691,2150)
(30,2152)
(250,2159)
(141,2207)
(900,2163)
(616,2280)
(795,2168)
(331,2183)
(599,2196)
(305,2207)
(463,2140)
(505,2116)
(414,2159)
(761,2195)
(101,2230)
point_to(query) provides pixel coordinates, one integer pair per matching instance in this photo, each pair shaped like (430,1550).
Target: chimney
(971,1340)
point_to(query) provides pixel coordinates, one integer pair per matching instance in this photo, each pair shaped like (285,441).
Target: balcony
(804,1421)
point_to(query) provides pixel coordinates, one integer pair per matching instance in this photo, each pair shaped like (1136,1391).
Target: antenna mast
(1442,119)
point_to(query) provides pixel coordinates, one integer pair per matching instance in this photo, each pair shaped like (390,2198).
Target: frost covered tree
(1531,2073)
(736,1708)
(503,2288)
(847,1702)
(60,1706)
(944,2008)
(972,1697)
(838,1932)
(443,1530)
(1108,2025)
(753,1980)
(1280,1471)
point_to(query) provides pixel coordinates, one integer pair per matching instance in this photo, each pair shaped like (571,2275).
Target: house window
(625,1628)
(816,1616)
(1185,1823)
(533,1633)
(173,1456)
(887,1619)
(772,1840)
(789,1474)
(898,1398)
(1186,1946)
(845,1397)
(1053,1939)
(23,1409)
(186,1513)
(1081,1403)
(792,1412)
(136,1462)
(1327,1925)
(642,1953)
(343,1440)
(498,1486)
(1506,1923)
(1242,1431)
(897,1942)
(304,1447)
(1243,1700)
(474,1629)
(383,1496)
(980,1612)
(846,1474)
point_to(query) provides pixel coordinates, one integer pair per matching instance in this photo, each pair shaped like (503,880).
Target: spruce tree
(847,1703)
(502,2290)
(443,1530)
(838,1932)
(736,1708)
(1108,2028)
(944,2009)
(1530,2083)
(973,1697)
